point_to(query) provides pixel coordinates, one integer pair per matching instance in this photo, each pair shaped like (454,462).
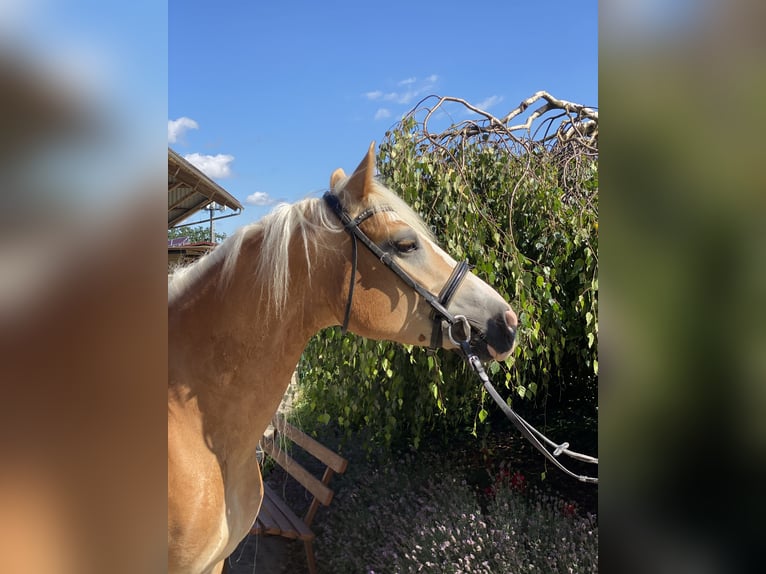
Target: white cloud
(413,88)
(215,166)
(259,198)
(487,103)
(176,128)
(382,113)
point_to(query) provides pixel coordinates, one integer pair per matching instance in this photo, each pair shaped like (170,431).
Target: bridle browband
(440,313)
(438,302)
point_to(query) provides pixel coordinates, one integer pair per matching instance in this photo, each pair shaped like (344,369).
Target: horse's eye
(406,245)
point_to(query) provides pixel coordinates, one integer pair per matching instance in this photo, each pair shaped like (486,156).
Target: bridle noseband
(438,302)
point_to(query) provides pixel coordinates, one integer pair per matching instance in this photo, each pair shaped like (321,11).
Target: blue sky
(270,97)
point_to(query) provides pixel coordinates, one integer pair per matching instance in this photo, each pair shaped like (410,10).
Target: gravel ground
(266,555)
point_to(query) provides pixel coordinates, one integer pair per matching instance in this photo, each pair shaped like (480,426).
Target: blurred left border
(83,286)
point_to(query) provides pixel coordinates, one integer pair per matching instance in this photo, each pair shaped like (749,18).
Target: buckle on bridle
(466,329)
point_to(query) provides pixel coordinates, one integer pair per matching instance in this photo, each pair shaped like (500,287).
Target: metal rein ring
(466,327)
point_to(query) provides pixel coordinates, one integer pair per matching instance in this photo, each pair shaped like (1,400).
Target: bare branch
(567,131)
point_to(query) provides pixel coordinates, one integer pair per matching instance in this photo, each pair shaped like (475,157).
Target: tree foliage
(520,202)
(195,234)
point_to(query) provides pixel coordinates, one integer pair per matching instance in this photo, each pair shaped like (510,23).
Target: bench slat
(265,523)
(293,524)
(311,483)
(285,524)
(315,448)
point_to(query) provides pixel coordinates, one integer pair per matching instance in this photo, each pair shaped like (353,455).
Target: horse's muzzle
(499,338)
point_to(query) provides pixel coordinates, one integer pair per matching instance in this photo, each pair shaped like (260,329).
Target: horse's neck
(231,355)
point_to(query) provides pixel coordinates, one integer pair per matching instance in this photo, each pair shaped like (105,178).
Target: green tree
(524,210)
(195,234)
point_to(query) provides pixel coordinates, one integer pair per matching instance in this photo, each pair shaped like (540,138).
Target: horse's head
(400,285)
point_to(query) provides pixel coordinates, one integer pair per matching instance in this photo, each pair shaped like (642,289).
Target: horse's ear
(335,178)
(360,182)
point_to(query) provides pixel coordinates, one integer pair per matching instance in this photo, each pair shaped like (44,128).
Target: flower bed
(421,515)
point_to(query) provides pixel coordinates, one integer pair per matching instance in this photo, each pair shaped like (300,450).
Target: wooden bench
(275,517)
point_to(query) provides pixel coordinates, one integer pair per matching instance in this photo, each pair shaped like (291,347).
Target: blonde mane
(307,218)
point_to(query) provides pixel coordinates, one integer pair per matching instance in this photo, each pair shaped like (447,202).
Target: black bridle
(438,302)
(440,313)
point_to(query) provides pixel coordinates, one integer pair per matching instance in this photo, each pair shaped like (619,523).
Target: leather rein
(440,314)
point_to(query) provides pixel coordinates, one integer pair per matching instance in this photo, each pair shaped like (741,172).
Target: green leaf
(483,415)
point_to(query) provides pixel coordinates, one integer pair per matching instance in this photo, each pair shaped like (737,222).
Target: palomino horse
(239,319)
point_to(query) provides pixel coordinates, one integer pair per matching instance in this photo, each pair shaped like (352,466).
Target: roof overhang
(190,190)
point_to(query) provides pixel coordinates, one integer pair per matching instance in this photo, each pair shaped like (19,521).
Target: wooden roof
(190,190)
